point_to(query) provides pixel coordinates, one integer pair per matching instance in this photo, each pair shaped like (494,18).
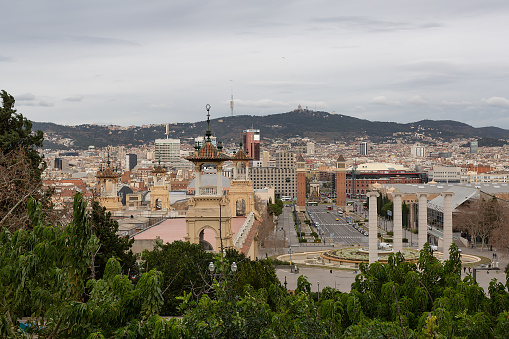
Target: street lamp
(291,265)
(212,268)
(318,289)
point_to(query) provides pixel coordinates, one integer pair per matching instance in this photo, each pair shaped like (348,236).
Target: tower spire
(208,134)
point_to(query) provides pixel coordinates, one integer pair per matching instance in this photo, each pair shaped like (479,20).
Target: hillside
(321,126)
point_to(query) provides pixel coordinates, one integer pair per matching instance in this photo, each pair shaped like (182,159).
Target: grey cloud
(29,99)
(375,25)
(25,97)
(383,100)
(40,103)
(497,102)
(73,99)
(102,40)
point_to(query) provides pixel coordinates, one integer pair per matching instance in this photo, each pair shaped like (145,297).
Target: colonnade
(397,222)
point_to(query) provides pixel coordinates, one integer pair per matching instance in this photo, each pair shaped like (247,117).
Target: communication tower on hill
(231,101)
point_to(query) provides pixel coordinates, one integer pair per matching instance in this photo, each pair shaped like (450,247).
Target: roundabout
(351,257)
(357,255)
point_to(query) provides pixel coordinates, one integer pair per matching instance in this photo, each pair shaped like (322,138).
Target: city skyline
(135,64)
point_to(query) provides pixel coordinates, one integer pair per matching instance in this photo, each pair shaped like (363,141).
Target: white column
(234,172)
(447,222)
(397,221)
(373,229)
(247,171)
(219,169)
(423,218)
(197,181)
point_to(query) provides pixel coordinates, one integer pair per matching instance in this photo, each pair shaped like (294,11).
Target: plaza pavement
(342,279)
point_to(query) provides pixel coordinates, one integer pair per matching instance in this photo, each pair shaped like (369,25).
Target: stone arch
(158,204)
(240,207)
(207,238)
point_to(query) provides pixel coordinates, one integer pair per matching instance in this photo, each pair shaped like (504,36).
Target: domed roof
(380,167)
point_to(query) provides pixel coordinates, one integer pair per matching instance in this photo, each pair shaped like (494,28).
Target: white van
(385,245)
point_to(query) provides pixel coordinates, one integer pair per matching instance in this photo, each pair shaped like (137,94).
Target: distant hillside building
(418,151)
(474,146)
(363,148)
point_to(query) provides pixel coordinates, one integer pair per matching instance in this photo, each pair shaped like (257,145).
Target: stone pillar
(197,181)
(373,229)
(397,221)
(247,171)
(447,222)
(423,218)
(219,169)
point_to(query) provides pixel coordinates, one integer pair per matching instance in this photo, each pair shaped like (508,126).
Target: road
(337,230)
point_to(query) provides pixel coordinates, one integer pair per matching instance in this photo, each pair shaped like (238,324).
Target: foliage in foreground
(44,272)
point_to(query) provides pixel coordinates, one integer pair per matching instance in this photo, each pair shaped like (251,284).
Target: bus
(286,198)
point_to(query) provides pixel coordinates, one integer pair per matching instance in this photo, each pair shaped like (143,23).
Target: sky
(150,62)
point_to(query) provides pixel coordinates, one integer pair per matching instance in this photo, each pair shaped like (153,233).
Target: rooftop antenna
(231,101)
(167,130)
(207,134)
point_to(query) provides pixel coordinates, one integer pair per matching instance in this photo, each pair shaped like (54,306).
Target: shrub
(390,233)
(388,240)
(405,239)
(415,231)
(314,234)
(303,240)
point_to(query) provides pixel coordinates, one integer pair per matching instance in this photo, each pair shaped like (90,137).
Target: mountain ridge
(321,126)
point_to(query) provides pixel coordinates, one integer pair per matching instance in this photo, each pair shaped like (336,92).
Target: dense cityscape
(292,217)
(267,169)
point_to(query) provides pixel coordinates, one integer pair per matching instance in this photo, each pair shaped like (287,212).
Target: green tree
(16,133)
(184,267)
(111,244)
(44,269)
(20,166)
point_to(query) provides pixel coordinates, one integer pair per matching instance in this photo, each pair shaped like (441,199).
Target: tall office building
(474,146)
(251,141)
(417,150)
(167,150)
(62,164)
(363,148)
(131,160)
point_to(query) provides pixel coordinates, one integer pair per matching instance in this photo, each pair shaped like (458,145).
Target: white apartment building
(473,177)
(445,174)
(167,150)
(417,151)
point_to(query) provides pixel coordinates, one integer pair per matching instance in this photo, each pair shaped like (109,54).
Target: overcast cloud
(132,63)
